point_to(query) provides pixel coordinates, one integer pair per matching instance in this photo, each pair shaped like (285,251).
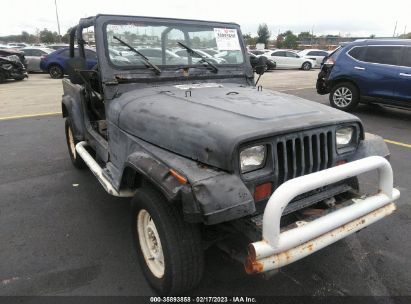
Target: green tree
(25,37)
(46,36)
(263,34)
(290,40)
(249,40)
(279,42)
(305,35)
(66,37)
(405,36)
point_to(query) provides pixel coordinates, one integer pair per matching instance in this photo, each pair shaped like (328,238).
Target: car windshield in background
(159,43)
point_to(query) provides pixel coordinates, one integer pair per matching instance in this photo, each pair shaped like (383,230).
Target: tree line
(288,39)
(40,36)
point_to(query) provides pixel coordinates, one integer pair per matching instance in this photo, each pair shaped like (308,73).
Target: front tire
(306,66)
(71,145)
(169,249)
(344,96)
(2,77)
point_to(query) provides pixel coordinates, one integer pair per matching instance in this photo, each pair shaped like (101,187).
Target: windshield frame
(167,22)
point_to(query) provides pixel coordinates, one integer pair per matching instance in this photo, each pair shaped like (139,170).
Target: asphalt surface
(61,234)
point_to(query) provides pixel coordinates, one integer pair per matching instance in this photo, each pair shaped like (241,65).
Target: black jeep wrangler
(208,156)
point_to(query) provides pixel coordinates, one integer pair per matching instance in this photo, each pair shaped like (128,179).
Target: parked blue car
(377,71)
(55,63)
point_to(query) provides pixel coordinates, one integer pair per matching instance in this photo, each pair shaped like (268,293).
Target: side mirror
(261,66)
(73,65)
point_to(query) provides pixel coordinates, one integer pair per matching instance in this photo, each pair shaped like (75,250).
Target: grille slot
(300,154)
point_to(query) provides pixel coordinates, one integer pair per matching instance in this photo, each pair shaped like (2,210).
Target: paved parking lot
(61,234)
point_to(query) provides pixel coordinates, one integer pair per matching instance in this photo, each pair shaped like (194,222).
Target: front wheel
(344,96)
(169,249)
(56,72)
(306,66)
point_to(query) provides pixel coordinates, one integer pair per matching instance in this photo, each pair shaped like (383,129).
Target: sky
(347,17)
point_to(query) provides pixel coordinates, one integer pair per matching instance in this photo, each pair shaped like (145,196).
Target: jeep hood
(211,122)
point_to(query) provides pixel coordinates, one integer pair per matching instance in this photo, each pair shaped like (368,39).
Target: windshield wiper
(143,58)
(204,59)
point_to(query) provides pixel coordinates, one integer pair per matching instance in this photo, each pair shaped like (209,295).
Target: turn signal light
(262,191)
(181,179)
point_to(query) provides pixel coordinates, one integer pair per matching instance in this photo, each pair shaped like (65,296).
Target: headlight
(252,158)
(344,136)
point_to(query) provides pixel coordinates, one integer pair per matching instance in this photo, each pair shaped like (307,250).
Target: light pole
(58,22)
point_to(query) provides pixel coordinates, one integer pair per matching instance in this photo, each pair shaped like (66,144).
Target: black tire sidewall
(150,199)
(3,77)
(306,64)
(355,96)
(61,73)
(76,160)
(139,203)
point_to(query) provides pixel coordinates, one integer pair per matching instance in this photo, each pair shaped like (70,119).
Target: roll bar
(77,31)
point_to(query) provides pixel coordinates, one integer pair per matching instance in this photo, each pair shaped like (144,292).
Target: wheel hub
(342,97)
(150,243)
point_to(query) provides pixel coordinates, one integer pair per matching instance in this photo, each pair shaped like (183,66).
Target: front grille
(303,153)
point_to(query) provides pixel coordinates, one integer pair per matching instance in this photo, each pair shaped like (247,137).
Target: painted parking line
(296,89)
(30,115)
(393,142)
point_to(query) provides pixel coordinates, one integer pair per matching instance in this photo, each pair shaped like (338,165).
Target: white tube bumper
(279,249)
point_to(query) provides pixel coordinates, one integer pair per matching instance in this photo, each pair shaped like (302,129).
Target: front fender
(151,169)
(210,195)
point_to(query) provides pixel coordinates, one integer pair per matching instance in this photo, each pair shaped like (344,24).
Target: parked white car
(33,56)
(16,45)
(290,60)
(260,52)
(315,54)
(183,53)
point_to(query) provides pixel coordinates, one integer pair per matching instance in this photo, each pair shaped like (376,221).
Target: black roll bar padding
(77,31)
(72,36)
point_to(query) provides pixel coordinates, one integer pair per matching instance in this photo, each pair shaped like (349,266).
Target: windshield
(159,43)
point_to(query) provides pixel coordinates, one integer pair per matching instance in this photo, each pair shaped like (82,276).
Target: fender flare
(371,145)
(141,166)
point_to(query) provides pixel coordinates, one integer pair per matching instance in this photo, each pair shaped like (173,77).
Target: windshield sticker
(227,39)
(198,86)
